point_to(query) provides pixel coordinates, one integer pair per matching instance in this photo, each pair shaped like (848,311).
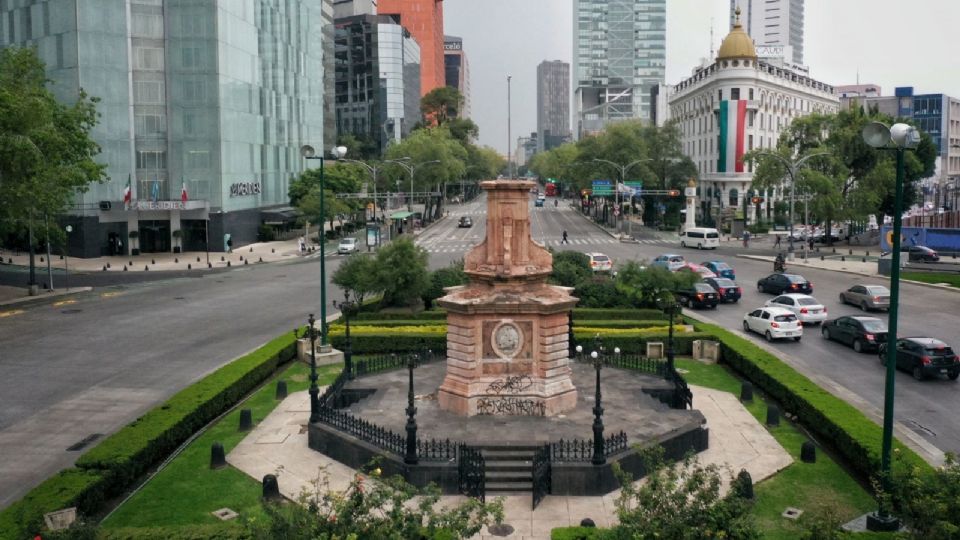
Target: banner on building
(733,115)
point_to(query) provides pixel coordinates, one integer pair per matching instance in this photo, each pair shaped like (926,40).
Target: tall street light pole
(900,137)
(509,134)
(375,171)
(308,153)
(411,168)
(792,168)
(623,178)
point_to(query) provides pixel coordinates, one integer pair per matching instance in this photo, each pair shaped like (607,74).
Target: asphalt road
(73,370)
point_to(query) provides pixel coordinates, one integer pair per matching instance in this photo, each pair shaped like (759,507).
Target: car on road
(807,308)
(924,357)
(538,203)
(701,271)
(784,283)
(726,288)
(465,221)
(541,197)
(773,323)
(859,331)
(698,295)
(867,297)
(921,254)
(720,268)
(348,246)
(670,261)
(600,262)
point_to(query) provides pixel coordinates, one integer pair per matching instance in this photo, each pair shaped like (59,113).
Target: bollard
(851,252)
(189,266)
(104,268)
(130,263)
(281,389)
(146,268)
(218,459)
(198,259)
(209,265)
(246,420)
(41,259)
(743,485)
(228,264)
(245,261)
(124,268)
(834,249)
(261,259)
(272,250)
(588,523)
(863,259)
(251,250)
(821,257)
(808,452)
(176,259)
(153,261)
(108,265)
(773,415)
(271,489)
(843,258)
(868,254)
(746,391)
(61,257)
(222,259)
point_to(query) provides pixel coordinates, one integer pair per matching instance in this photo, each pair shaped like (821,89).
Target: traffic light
(674,192)
(757,200)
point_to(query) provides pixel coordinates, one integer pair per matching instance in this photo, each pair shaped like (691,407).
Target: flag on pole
(155,190)
(127,195)
(183,193)
(732,119)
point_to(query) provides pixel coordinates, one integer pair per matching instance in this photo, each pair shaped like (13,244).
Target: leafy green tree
(358,276)
(599,291)
(441,278)
(304,192)
(570,268)
(464,130)
(647,286)
(928,499)
(680,502)
(46,153)
(401,273)
(441,104)
(362,146)
(387,508)
(428,145)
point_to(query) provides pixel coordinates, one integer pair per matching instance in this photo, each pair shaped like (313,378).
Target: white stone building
(734,105)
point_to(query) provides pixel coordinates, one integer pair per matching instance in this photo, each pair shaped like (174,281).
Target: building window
(733,197)
(750,93)
(148,92)
(734,93)
(750,118)
(151,160)
(149,124)
(720,94)
(149,58)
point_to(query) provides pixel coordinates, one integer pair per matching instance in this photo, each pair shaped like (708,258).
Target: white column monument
(691,193)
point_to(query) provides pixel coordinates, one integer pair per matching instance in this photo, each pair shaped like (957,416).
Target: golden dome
(737,44)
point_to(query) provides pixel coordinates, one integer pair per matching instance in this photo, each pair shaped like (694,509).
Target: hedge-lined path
(279,442)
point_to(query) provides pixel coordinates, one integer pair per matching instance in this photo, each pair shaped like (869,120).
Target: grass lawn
(187,490)
(821,485)
(933,277)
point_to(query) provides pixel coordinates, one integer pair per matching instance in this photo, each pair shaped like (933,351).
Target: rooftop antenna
(711,37)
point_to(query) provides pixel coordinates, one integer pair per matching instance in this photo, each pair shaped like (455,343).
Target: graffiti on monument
(510,385)
(510,406)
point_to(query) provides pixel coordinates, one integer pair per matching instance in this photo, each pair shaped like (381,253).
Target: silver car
(867,297)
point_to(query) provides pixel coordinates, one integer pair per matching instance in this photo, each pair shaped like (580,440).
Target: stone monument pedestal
(325,354)
(507,331)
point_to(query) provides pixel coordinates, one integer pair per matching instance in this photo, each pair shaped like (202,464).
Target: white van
(700,238)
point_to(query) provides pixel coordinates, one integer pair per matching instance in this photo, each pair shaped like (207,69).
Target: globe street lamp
(308,153)
(899,137)
(599,456)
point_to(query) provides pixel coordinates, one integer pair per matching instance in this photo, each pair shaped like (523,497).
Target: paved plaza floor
(278,445)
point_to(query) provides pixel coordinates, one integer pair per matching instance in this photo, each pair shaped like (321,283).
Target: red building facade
(424,19)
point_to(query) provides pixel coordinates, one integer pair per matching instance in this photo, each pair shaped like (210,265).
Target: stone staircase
(509,468)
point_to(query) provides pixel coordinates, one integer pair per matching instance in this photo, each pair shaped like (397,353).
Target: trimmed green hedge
(855,436)
(601,323)
(69,487)
(428,315)
(390,322)
(617,314)
(581,533)
(217,531)
(392,343)
(630,343)
(128,453)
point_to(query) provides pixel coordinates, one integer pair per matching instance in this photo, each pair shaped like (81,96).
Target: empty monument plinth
(507,330)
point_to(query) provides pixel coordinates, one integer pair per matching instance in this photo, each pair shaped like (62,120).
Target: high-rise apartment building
(215,97)
(773,23)
(620,53)
(457,71)
(553,104)
(424,19)
(377,78)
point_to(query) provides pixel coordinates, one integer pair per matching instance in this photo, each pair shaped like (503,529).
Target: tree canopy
(441,104)
(46,153)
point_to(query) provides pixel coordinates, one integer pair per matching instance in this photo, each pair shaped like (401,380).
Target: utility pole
(509,135)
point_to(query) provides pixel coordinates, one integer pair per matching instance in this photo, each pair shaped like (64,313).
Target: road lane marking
(110,294)
(10,313)
(64,303)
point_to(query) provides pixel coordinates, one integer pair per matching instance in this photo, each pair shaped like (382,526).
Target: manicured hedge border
(637,343)
(391,342)
(428,315)
(618,323)
(618,314)
(850,432)
(113,465)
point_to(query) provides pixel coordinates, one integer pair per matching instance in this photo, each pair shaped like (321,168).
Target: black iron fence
(582,449)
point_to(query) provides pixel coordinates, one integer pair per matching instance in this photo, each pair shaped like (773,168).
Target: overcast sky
(510,37)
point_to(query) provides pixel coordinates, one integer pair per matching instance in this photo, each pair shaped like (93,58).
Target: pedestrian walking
(303,245)
(746,239)
(564,241)
(776,243)
(810,241)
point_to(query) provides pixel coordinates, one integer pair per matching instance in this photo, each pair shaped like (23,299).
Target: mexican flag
(183,193)
(733,115)
(127,194)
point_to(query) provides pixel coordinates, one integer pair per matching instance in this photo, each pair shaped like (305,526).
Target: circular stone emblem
(507,339)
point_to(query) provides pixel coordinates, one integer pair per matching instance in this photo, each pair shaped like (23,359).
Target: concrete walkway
(278,445)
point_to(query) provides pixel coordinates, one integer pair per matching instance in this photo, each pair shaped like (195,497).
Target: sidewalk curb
(876,276)
(45,298)
(927,450)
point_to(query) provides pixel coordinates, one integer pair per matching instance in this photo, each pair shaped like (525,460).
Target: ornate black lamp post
(599,456)
(671,307)
(410,457)
(314,389)
(347,308)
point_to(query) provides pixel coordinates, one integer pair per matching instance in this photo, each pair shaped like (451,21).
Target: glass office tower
(620,54)
(214,96)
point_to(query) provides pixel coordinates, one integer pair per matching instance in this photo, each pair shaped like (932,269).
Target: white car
(807,308)
(348,246)
(773,323)
(600,262)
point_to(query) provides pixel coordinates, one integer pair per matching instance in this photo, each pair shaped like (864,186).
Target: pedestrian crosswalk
(459,246)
